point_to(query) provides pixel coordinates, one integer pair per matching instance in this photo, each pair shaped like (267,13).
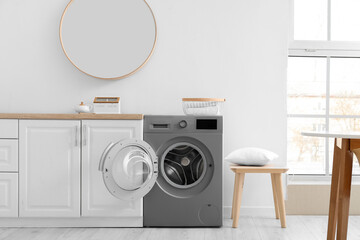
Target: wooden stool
(276,186)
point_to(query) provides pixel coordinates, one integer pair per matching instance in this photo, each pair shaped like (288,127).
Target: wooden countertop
(71,116)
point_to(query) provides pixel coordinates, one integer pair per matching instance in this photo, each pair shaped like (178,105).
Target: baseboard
(263,211)
(72,222)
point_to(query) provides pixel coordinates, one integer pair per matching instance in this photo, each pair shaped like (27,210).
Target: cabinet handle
(76,135)
(84,133)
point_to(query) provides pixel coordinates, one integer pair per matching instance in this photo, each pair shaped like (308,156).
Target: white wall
(234,49)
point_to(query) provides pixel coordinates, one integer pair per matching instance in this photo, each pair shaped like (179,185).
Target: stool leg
(239,185)
(280,199)
(276,204)
(234,198)
(234,195)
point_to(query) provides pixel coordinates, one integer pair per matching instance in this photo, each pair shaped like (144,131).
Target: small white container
(202,106)
(83,108)
(107,105)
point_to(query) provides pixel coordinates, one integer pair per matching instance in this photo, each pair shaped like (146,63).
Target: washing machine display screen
(132,167)
(183,165)
(206,124)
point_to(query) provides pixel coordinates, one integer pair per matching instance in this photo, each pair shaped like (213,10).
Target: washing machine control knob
(183,124)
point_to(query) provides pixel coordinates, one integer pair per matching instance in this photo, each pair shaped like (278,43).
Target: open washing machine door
(129,168)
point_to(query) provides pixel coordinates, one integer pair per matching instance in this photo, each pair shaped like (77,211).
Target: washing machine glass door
(129,168)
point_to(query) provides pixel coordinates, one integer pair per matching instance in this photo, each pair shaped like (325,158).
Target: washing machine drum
(183,165)
(129,168)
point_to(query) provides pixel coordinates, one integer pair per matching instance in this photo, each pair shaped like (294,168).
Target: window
(323,80)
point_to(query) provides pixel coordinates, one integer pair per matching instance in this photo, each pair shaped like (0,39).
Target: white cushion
(251,156)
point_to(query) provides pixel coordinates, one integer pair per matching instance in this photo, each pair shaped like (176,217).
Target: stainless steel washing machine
(189,186)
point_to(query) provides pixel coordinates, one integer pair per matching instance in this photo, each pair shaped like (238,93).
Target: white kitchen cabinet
(49,168)
(9,128)
(9,155)
(8,194)
(96,199)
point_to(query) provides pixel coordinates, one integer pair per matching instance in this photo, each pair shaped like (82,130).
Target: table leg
(334,194)
(357,154)
(280,199)
(344,191)
(239,185)
(274,195)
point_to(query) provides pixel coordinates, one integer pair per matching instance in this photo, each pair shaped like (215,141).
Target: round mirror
(108,39)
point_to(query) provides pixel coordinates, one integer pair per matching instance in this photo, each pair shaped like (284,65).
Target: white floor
(299,228)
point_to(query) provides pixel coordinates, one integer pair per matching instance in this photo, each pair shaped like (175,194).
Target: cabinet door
(96,199)
(8,195)
(49,168)
(9,155)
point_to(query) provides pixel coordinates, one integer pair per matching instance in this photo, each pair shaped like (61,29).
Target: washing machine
(177,169)
(188,191)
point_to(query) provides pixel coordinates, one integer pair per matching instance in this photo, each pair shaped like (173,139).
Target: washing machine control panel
(182,124)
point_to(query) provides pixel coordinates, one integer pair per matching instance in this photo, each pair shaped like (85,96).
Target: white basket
(202,106)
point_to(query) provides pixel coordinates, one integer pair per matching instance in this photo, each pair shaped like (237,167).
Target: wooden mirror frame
(112,78)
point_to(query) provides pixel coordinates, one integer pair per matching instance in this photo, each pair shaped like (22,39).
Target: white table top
(348,135)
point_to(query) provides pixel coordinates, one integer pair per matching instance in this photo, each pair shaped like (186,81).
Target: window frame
(326,49)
